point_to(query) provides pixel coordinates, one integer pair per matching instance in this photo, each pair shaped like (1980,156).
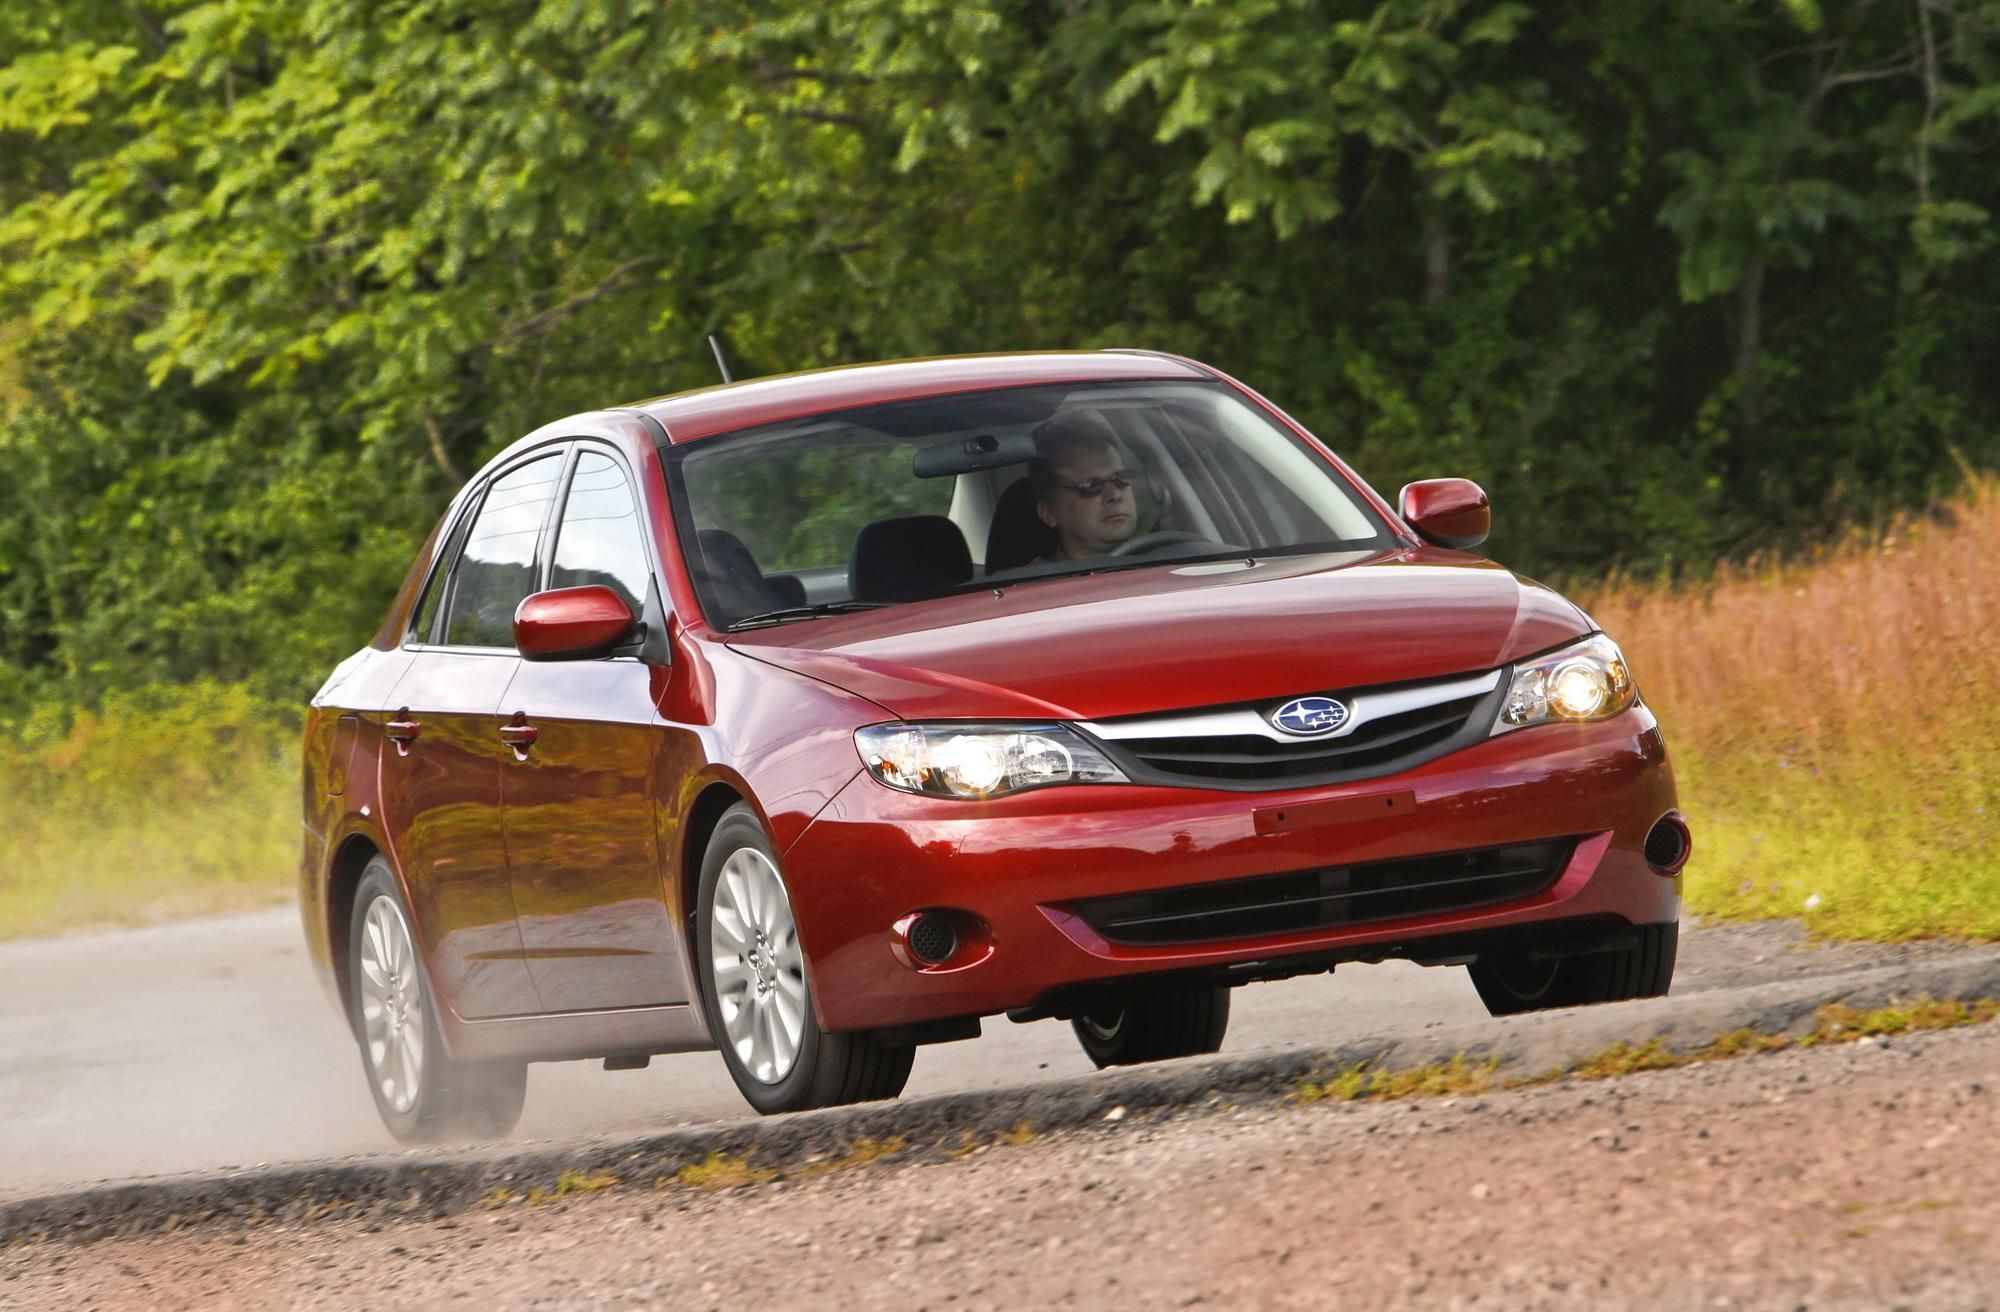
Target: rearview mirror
(571,624)
(963,455)
(1451,512)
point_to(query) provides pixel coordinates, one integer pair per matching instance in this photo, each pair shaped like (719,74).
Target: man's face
(1089,525)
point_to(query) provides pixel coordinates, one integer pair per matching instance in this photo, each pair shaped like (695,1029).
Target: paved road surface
(205,1044)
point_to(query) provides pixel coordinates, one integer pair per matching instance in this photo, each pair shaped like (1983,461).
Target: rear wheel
(1185,1022)
(759,1005)
(1513,983)
(423,1094)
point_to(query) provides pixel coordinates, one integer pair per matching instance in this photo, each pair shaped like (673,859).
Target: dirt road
(1853,1176)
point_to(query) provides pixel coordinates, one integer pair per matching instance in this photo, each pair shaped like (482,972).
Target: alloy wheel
(392,1005)
(757,967)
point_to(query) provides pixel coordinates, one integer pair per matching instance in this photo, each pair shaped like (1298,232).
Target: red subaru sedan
(819,717)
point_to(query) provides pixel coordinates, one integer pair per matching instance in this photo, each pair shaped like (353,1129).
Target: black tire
(450,1099)
(1184,1022)
(1512,984)
(828,1069)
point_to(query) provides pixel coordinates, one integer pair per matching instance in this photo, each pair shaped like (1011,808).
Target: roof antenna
(720,363)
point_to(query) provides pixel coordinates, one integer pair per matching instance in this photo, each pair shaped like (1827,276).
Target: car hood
(1171,638)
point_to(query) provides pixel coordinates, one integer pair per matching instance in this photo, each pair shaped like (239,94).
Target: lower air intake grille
(1338,895)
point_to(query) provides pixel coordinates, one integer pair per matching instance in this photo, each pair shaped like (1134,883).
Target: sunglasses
(1091,488)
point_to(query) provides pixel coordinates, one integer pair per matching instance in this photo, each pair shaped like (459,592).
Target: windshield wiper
(812,612)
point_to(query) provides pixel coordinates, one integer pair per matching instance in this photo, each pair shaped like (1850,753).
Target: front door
(578,800)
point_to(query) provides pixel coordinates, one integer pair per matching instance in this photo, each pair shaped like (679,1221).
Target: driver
(1083,488)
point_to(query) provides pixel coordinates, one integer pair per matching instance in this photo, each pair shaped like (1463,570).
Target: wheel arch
(710,805)
(343,878)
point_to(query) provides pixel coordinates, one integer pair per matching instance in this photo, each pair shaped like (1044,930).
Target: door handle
(519,735)
(402,731)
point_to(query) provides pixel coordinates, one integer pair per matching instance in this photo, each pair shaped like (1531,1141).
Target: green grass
(162,803)
(1858,858)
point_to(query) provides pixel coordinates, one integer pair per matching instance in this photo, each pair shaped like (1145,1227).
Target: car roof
(689,416)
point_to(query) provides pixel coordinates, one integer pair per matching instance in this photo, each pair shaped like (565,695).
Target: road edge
(434,1183)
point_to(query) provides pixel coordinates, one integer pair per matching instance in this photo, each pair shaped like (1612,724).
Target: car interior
(947,501)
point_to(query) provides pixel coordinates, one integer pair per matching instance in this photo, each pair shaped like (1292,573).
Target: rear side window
(599,540)
(497,568)
(424,623)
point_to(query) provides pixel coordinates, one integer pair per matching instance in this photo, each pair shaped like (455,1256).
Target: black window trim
(651,646)
(561,446)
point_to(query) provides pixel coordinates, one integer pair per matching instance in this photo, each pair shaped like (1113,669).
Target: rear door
(441,768)
(578,800)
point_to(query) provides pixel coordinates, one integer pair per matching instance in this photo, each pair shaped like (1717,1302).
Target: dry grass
(1835,726)
(164,802)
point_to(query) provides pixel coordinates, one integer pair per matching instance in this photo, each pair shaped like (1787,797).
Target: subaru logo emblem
(1310,716)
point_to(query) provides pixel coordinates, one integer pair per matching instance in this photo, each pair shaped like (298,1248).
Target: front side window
(496,571)
(918,499)
(599,540)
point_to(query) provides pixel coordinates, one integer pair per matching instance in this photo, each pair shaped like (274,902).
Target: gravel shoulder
(1848,1176)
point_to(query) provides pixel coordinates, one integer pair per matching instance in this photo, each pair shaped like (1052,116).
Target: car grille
(1234,748)
(1335,896)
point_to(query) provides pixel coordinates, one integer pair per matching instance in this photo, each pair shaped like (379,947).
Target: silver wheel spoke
(391,1006)
(790,1019)
(756,966)
(730,931)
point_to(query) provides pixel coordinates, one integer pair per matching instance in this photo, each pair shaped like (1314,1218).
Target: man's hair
(1067,434)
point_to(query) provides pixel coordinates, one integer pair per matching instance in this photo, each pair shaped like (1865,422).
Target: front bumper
(875,855)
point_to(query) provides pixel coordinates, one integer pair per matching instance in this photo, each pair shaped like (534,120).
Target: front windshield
(918,499)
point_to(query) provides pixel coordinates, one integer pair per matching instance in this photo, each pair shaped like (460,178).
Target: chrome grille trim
(1241,721)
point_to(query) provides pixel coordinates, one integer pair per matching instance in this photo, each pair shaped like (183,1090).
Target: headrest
(1018,535)
(908,559)
(735,586)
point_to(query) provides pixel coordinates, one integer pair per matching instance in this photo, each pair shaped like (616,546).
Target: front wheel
(759,1006)
(1154,1026)
(423,1094)
(1513,982)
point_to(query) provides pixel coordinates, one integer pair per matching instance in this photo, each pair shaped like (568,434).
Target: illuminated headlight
(981,760)
(1587,680)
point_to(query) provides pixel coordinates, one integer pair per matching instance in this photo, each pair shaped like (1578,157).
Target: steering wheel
(1154,541)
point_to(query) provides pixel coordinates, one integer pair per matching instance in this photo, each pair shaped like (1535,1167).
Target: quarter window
(497,569)
(600,540)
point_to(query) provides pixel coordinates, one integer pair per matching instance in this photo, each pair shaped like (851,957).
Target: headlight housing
(981,760)
(1587,680)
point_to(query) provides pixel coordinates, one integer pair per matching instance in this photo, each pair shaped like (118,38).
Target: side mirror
(1451,512)
(571,624)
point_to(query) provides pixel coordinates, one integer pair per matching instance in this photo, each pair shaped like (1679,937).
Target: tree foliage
(1674,278)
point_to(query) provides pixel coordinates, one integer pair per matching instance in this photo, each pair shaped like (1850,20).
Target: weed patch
(722,1171)
(1833,1022)
(1837,1022)
(1458,1075)
(859,1153)
(573,1182)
